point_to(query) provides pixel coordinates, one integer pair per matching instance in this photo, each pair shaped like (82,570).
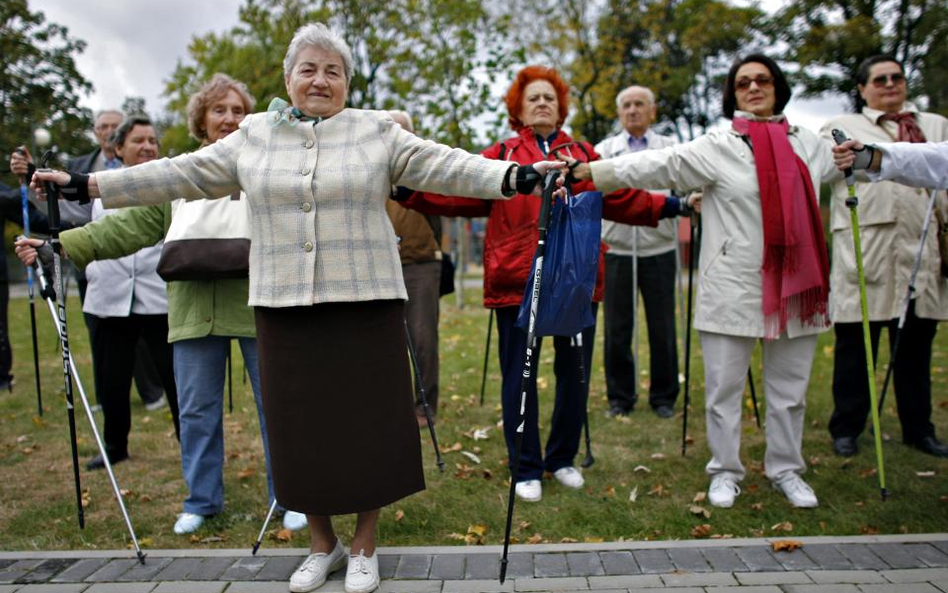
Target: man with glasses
(891,217)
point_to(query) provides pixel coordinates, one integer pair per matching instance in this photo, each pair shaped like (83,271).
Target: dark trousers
(569,407)
(912,380)
(113,342)
(656,282)
(421,313)
(6,354)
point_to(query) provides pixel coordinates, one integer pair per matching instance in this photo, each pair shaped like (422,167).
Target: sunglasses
(883,79)
(762,81)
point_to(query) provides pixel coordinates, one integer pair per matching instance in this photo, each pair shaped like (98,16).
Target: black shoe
(615,411)
(931,445)
(845,446)
(98,463)
(664,411)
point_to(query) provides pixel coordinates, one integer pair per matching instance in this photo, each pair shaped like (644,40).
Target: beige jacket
(891,217)
(624,239)
(319,230)
(721,163)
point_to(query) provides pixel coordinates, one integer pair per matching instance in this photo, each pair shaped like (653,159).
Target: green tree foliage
(678,48)
(433,59)
(134,106)
(829,38)
(39,83)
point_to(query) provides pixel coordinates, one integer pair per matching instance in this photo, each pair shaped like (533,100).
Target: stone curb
(496,550)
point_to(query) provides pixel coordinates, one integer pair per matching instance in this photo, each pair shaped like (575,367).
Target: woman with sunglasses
(764,272)
(892,217)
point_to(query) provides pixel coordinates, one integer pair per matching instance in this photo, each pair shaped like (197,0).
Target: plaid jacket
(319,230)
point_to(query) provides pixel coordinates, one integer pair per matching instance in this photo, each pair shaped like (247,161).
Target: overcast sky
(134,45)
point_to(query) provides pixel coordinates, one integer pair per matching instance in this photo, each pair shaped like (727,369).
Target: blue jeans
(200,366)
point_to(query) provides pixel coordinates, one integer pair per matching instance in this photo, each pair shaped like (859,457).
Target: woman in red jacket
(537,104)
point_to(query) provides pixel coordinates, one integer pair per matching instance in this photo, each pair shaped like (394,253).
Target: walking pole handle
(546,199)
(839,136)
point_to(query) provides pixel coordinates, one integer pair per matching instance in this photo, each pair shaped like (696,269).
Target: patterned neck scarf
(908,126)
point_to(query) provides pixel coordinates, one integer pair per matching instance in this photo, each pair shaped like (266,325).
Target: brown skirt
(338,402)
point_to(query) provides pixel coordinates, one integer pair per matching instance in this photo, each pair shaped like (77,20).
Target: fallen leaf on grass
(126,493)
(476,534)
(658,456)
(399,515)
(197,539)
(703,530)
(642,468)
(453,448)
(487,474)
(610,491)
(928,474)
(944,498)
(658,490)
(689,440)
(464,471)
(523,525)
(753,488)
(784,526)
(568,540)
(592,539)
(536,538)
(542,382)
(144,498)
(283,535)
(786,545)
(699,511)
(246,473)
(868,473)
(22,438)
(634,494)
(700,497)
(471,456)
(869,530)
(758,506)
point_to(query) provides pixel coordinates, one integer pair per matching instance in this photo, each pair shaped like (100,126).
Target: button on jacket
(730,287)
(343,249)
(891,217)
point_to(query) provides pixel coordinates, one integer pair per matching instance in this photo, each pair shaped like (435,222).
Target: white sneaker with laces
(188,523)
(316,569)
(529,490)
(569,477)
(362,575)
(723,491)
(294,521)
(797,492)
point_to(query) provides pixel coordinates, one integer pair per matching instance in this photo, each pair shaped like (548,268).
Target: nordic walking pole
(908,297)
(230,377)
(750,381)
(420,388)
(49,295)
(852,203)
(692,257)
(584,386)
(256,544)
(490,326)
(52,197)
(24,203)
(546,210)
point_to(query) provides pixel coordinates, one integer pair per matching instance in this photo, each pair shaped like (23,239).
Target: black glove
(527,179)
(77,190)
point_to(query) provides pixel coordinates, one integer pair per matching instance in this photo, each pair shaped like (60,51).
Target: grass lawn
(639,488)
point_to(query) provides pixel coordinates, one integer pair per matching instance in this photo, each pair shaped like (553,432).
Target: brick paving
(870,564)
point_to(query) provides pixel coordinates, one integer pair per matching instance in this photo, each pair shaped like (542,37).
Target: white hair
(319,35)
(396,113)
(102,112)
(643,89)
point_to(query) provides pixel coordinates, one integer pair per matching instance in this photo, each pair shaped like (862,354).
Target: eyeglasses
(883,79)
(762,81)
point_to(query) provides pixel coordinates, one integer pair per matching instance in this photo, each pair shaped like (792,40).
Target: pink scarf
(796,267)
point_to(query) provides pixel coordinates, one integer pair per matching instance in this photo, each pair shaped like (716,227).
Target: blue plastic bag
(570,265)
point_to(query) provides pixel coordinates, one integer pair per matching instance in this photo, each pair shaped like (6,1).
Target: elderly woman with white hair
(326,285)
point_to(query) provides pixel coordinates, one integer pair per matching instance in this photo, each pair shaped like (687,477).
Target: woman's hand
(577,170)
(75,187)
(36,184)
(844,154)
(26,250)
(20,162)
(694,201)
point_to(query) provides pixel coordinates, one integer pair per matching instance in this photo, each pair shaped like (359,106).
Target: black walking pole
(230,378)
(546,209)
(692,258)
(49,295)
(750,381)
(909,294)
(24,203)
(52,197)
(490,326)
(420,389)
(584,386)
(852,202)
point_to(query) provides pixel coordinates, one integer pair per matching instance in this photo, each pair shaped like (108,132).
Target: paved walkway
(870,564)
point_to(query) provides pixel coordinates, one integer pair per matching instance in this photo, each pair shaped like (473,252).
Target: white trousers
(787,365)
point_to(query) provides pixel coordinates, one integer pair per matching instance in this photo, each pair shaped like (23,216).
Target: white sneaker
(797,492)
(294,521)
(723,491)
(157,404)
(529,490)
(316,568)
(188,523)
(569,477)
(362,575)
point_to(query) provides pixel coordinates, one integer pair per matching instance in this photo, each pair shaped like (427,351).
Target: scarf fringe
(809,306)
